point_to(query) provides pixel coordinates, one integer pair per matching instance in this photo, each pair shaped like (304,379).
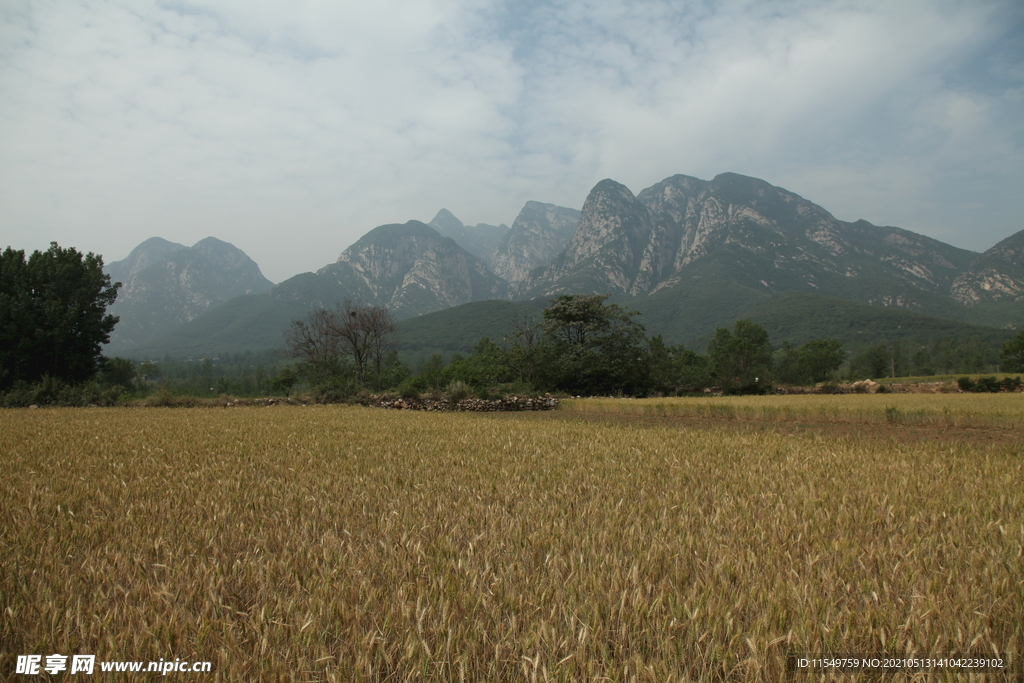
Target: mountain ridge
(690,253)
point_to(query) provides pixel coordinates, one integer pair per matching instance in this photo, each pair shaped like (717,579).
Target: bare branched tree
(361,334)
(311,340)
(366,334)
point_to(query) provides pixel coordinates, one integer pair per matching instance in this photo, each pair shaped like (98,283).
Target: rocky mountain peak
(445,220)
(412,269)
(606,249)
(748,231)
(996,275)
(141,257)
(178,287)
(539,232)
(479,240)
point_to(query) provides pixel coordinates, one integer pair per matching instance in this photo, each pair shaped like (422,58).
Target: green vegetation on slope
(458,329)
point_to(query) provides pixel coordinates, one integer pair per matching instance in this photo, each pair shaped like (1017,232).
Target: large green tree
(742,358)
(590,347)
(815,361)
(1011,357)
(53,318)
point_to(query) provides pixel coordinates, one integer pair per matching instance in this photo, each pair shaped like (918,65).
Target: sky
(292,128)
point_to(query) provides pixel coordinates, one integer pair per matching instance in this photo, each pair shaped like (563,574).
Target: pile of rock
(267,401)
(482,405)
(865,386)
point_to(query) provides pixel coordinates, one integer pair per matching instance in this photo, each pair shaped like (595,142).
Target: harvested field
(328,543)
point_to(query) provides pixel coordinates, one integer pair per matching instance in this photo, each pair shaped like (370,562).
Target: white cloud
(291,128)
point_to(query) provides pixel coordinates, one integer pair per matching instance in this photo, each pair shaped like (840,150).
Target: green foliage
(965,383)
(284,381)
(53,317)
(51,391)
(905,358)
(590,347)
(677,370)
(1011,356)
(487,366)
(816,361)
(118,371)
(741,359)
(987,385)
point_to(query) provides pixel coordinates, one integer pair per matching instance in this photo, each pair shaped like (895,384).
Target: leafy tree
(693,371)
(741,359)
(786,365)
(486,366)
(1011,357)
(676,369)
(118,372)
(820,358)
(53,317)
(524,349)
(589,347)
(872,362)
(815,361)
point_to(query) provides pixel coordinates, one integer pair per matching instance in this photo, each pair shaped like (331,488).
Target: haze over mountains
(689,254)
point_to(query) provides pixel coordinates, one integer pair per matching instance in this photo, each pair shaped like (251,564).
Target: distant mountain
(480,240)
(539,232)
(992,288)
(689,254)
(412,270)
(160,294)
(751,234)
(151,251)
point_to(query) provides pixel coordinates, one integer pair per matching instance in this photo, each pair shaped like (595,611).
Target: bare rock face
(997,275)
(480,240)
(411,269)
(605,252)
(742,230)
(539,232)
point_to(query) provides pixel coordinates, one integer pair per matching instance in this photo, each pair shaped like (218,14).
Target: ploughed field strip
(349,543)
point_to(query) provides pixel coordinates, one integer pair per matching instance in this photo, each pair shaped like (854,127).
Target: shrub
(408,390)
(457,390)
(987,385)
(965,383)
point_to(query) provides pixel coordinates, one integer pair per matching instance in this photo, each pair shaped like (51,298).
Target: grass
(1003,410)
(333,543)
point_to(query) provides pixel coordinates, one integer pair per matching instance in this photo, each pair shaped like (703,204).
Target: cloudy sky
(291,128)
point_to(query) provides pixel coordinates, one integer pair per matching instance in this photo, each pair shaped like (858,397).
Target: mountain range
(688,254)
(165,285)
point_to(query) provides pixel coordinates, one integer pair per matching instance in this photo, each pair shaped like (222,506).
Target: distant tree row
(584,345)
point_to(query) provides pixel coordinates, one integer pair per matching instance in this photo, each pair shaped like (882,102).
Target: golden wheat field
(331,543)
(1004,410)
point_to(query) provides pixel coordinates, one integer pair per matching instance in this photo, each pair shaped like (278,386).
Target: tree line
(53,323)
(584,345)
